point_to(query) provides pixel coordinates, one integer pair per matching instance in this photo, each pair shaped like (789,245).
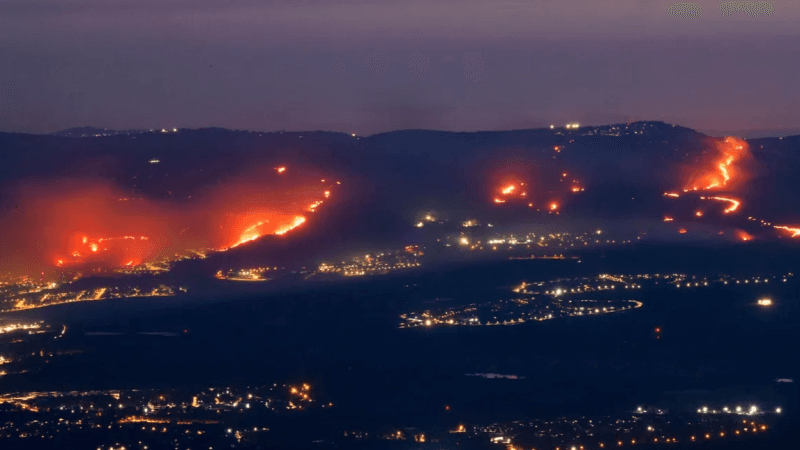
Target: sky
(365,67)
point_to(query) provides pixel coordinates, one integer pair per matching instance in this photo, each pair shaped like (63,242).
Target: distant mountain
(755,134)
(389,178)
(91,132)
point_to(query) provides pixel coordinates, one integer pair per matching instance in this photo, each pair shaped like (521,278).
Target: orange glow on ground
(682,231)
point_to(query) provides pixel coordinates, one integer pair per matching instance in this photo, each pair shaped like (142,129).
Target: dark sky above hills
(370,66)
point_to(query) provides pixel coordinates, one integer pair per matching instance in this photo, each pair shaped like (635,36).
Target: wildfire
(795,231)
(80,224)
(734,204)
(553,206)
(682,231)
(281,169)
(671,194)
(299,220)
(509,191)
(250,234)
(731,149)
(668,219)
(743,235)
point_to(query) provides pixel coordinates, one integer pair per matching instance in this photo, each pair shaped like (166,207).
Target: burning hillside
(92,224)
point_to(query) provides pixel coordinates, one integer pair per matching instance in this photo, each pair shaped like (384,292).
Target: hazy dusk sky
(370,66)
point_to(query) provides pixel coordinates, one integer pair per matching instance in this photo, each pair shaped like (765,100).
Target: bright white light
(777,410)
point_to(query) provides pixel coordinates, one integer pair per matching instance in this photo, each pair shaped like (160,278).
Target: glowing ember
(553,206)
(743,235)
(682,231)
(499,200)
(668,219)
(281,169)
(699,213)
(508,189)
(671,194)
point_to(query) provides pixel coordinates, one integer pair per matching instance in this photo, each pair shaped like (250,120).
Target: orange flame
(668,219)
(299,220)
(734,204)
(682,231)
(723,171)
(794,230)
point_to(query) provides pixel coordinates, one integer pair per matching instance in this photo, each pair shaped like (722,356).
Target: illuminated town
(54,294)
(562,298)
(249,274)
(26,346)
(644,426)
(515,312)
(221,417)
(475,241)
(375,264)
